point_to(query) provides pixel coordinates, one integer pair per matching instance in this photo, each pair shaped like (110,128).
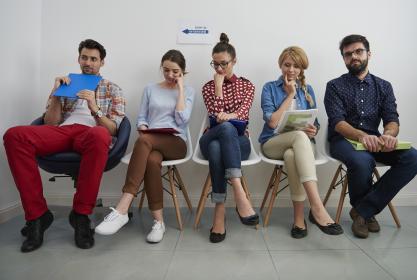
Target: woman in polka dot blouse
(227,98)
(290,92)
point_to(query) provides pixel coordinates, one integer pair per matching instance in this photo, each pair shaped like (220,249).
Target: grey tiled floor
(267,253)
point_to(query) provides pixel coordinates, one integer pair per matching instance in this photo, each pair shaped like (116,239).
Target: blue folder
(78,83)
(238,124)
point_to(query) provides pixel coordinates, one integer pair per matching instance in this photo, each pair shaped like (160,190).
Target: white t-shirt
(80,115)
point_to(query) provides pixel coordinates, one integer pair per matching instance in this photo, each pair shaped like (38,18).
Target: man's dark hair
(91,44)
(354,38)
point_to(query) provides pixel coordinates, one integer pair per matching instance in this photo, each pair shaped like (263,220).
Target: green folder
(401,145)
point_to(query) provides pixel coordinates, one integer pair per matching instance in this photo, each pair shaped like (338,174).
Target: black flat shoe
(83,233)
(217,237)
(34,232)
(297,232)
(330,229)
(251,220)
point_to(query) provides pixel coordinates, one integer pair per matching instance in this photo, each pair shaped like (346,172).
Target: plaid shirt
(109,97)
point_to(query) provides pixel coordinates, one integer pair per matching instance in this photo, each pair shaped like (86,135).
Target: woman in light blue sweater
(166,104)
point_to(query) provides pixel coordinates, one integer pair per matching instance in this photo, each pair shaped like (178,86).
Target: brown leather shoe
(359,226)
(372,223)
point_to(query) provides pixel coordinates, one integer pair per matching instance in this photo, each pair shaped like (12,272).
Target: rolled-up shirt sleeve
(118,104)
(334,106)
(389,105)
(267,103)
(183,117)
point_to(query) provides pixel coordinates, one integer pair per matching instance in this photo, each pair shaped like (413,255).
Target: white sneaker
(157,232)
(112,223)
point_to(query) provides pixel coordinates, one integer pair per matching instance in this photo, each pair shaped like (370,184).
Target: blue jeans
(224,150)
(367,198)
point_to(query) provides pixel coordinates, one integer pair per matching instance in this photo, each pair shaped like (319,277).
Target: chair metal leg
(182,187)
(270,185)
(273,197)
(390,206)
(174,196)
(341,200)
(332,184)
(202,202)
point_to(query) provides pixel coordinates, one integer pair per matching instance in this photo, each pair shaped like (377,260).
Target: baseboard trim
(10,211)
(282,200)
(65,199)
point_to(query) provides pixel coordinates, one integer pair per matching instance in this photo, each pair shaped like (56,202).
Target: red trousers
(24,143)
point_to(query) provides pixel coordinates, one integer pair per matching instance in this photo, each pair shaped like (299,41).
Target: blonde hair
(300,58)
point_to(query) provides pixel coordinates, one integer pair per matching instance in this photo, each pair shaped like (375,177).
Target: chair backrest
(200,159)
(327,147)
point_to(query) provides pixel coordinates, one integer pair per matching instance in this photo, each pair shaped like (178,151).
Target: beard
(356,69)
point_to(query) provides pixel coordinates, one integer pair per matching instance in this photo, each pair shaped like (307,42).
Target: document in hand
(78,83)
(401,145)
(295,120)
(164,130)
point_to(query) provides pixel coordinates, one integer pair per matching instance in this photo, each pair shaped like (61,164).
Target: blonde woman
(296,148)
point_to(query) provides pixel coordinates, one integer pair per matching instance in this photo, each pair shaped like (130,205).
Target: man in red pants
(84,125)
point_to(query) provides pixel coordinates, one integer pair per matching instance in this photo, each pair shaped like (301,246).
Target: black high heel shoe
(330,229)
(251,220)
(217,237)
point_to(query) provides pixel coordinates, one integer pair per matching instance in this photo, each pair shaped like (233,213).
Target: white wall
(20,29)
(137,33)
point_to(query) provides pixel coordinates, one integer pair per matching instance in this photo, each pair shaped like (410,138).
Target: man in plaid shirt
(84,125)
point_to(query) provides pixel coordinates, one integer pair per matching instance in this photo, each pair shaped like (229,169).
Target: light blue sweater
(157,109)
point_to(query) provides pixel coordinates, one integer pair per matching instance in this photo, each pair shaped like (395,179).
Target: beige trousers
(297,151)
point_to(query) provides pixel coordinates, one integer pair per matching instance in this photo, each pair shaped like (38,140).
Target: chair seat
(62,157)
(68,162)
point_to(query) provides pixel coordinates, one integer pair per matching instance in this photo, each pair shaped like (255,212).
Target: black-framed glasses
(222,64)
(357,52)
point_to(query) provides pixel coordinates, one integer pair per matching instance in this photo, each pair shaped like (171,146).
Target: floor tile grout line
(375,261)
(269,252)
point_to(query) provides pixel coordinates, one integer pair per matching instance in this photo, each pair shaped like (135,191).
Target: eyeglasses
(357,52)
(222,64)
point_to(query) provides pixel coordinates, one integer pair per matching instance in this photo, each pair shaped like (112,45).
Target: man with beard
(84,125)
(356,103)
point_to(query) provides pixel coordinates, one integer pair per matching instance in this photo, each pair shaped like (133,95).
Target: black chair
(68,163)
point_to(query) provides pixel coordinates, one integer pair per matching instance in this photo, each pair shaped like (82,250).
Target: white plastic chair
(340,178)
(200,159)
(276,179)
(173,177)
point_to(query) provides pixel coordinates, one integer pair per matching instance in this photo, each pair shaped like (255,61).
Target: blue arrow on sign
(195,31)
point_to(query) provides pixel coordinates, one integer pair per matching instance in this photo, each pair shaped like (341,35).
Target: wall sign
(195,33)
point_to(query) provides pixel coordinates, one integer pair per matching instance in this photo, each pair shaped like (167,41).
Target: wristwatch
(98,114)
